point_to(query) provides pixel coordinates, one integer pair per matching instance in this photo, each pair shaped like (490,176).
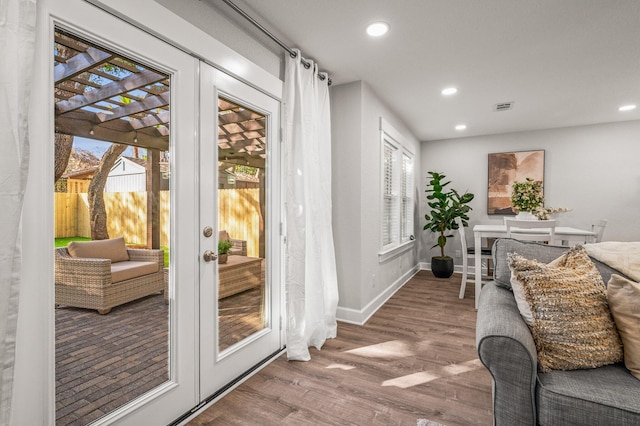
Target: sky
(98,148)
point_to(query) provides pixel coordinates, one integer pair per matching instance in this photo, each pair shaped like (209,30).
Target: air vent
(503,106)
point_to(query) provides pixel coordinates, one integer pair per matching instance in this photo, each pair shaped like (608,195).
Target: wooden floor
(414,359)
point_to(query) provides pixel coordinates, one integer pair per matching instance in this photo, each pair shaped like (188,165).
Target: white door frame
(34,391)
(218,369)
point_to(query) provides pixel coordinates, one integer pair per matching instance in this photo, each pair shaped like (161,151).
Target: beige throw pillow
(113,249)
(571,322)
(624,301)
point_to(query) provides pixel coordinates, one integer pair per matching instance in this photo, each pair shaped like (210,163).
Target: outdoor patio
(105,361)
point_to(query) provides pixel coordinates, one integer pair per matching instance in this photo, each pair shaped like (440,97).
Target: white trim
(171,28)
(360,317)
(392,138)
(396,251)
(426,266)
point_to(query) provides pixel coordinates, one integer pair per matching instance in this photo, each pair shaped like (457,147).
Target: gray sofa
(522,395)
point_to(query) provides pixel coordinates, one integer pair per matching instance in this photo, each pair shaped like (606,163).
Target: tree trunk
(63,145)
(97,210)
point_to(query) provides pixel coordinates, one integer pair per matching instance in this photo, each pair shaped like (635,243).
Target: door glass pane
(241,221)
(111,229)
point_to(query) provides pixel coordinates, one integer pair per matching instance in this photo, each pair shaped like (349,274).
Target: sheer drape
(17,39)
(311,282)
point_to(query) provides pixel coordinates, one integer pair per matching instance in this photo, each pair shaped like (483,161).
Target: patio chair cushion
(113,249)
(122,271)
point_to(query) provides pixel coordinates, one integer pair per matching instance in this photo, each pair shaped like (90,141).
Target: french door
(223,174)
(239,202)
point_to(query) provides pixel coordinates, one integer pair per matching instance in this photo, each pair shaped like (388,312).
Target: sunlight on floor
(391,349)
(428,376)
(341,367)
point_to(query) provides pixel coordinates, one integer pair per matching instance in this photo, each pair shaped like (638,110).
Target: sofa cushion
(602,396)
(572,324)
(532,250)
(624,301)
(122,271)
(113,249)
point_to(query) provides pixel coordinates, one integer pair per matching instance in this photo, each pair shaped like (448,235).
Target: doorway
(240,298)
(210,322)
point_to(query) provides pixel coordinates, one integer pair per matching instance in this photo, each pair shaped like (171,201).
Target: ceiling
(562,63)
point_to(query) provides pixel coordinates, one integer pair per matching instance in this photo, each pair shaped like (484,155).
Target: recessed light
(377,29)
(461,127)
(627,108)
(449,91)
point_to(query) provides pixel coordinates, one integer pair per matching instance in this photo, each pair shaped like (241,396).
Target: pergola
(102,95)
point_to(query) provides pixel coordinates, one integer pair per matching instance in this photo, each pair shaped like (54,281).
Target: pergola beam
(80,63)
(119,134)
(150,102)
(116,88)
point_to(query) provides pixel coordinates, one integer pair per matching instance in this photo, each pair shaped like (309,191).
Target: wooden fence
(239,215)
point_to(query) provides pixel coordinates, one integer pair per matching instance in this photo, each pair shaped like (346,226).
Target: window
(397,190)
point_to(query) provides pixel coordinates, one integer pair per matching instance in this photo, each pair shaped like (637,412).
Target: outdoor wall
(364,282)
(592,170)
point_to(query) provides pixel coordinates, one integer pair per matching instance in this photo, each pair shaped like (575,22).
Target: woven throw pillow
(113,249)
(624,301)
(572,325)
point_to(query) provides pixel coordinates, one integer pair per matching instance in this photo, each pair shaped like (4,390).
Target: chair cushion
(572,325)
(113,249)
(223,236)
(122,271)
(624,301)
(601,396)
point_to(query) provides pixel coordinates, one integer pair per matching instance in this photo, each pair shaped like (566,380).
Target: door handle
(209,256)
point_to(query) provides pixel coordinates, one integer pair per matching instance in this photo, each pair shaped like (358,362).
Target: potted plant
(526,197)
(223,250)
(446,205)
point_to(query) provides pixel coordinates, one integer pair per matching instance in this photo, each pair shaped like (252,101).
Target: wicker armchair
(87,282)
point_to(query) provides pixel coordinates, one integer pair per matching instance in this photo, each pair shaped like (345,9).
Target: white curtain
(311,282)
(17,40)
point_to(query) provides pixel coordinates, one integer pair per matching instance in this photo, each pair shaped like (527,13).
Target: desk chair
(468,253)
(540,230)
(598,227)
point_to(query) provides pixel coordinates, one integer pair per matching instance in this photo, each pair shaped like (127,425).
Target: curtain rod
(271,36)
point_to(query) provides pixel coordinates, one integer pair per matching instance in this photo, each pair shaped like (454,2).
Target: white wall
(364,283)
(222,23)
(594,170)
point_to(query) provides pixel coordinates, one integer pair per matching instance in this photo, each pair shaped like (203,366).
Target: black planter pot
(442,267)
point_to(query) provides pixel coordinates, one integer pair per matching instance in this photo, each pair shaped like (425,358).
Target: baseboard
(360,317)
(426,266)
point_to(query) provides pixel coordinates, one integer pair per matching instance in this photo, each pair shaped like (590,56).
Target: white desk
(564,233)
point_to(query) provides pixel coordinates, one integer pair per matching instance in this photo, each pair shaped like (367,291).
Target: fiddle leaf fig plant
(446,205)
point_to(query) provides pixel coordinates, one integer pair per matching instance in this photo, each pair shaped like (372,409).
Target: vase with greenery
(446,205)
(527,196)
(223,250)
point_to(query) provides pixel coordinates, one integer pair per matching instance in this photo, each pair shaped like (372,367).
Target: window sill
(396,251)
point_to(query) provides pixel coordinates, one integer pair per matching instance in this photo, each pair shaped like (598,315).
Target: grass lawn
(63,242)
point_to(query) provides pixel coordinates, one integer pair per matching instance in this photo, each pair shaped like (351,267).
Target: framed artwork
(506,168)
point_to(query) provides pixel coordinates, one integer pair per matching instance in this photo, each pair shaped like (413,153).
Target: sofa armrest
(147,255)
(239,247)
(506,348)
(85,272)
